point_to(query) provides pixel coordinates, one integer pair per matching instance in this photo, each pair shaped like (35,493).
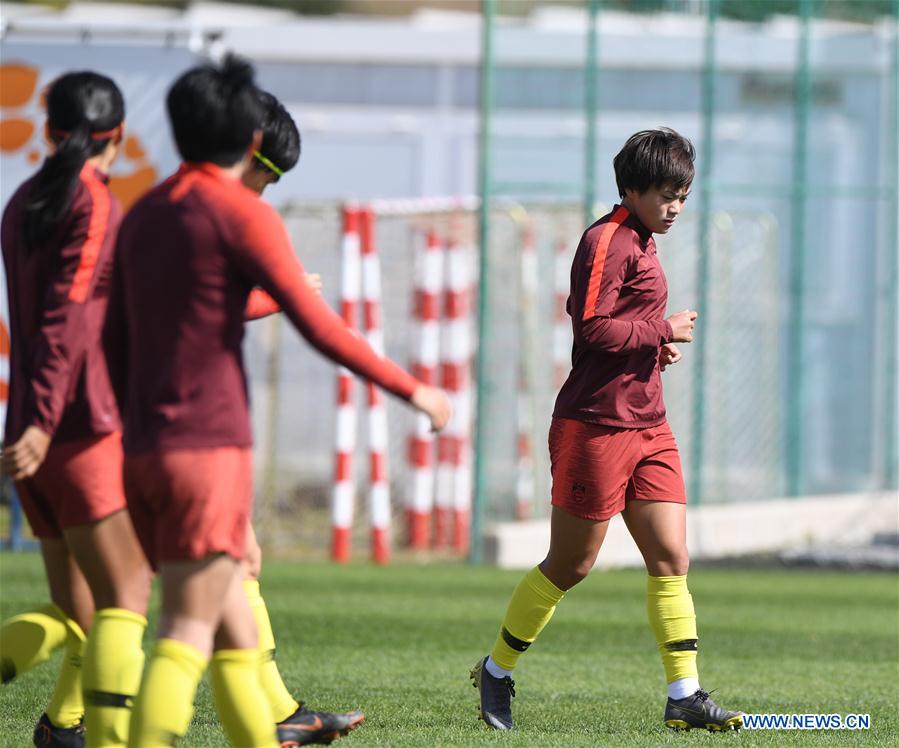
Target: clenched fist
(682,324)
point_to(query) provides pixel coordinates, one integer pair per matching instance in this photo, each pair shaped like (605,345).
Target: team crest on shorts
(578,493)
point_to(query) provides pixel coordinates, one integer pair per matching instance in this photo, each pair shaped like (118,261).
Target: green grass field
(397,642)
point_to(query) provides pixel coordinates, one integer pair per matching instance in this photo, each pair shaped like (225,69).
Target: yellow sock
(66,706)
(29,639)
(532,605)
(113,663)
(279,698)
(165,703)
(673,622)
(239,699)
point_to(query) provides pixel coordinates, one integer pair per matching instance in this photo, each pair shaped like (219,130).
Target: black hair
(654,158)
(213,110)
(280,137)
(85,110)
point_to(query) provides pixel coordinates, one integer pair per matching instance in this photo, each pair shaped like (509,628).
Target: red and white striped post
(446,442)
(524,488)
(345,437)
(456,380)
(378,486)
(426,308)
(561,324)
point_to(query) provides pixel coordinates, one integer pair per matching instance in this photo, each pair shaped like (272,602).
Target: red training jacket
(617,307)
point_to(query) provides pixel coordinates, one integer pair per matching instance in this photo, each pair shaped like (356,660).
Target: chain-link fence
(294,389)
(791,247)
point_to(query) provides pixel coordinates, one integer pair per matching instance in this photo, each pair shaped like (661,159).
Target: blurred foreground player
(63,442)
(189,253)
(297,725)
(611,449)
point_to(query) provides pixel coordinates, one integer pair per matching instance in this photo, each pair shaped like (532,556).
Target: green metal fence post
(796,385)
(488,8)
(707,155)
(591,79)
(891,438)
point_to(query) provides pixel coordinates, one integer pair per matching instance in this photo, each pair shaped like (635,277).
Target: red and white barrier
(443,355)
(379,488)
(456,380)
(426,308)
(524,488)
(343,505)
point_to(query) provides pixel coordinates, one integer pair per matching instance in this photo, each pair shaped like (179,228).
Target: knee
(568,573)
(131,591)
(237,632)
(674,562)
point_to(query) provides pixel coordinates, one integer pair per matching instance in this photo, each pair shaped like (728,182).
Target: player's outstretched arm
(260,304)
(262,248)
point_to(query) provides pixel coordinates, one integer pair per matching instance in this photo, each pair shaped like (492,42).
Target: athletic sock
(495,670)
(682,688)
(113,663)
(29,639)
(165,703)
(240,701)
(279,698)
(66,707)
(673,621)
(532,605)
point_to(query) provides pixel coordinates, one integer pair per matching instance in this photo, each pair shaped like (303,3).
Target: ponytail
(54,186)
(84,112)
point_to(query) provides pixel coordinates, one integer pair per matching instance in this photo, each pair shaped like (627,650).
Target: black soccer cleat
(48,734)
(496,697)
(699,710)
(306,727)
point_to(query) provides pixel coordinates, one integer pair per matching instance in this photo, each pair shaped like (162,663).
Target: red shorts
(187,504)
(597,469)
(79,482)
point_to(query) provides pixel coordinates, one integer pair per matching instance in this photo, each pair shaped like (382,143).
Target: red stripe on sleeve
(599,259)
(96,233)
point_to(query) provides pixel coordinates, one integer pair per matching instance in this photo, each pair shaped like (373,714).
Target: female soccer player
(611,449)
(188,254)
(63,444)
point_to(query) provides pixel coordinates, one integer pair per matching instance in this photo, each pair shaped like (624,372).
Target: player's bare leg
(69,590)
(659,529)
(574,544)
(61,723)
(196,596)
(113,563)
(119,577)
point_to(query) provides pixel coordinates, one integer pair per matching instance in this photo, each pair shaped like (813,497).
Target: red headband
(115,132)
